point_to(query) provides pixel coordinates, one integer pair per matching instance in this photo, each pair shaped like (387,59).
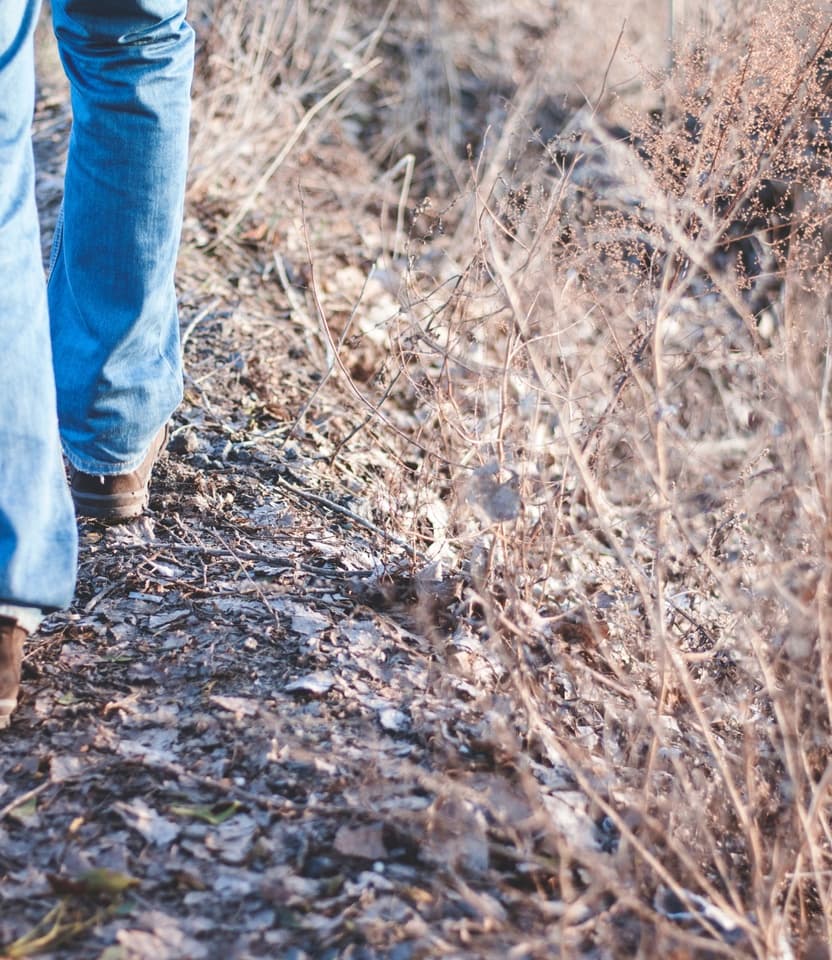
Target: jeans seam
(57,241)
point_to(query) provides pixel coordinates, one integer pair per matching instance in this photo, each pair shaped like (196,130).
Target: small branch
(205,312)
(610,62)
(23,798)
(356,518)
(247,205)
(374,408)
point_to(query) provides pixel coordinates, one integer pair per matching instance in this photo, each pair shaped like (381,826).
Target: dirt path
(229,745)
(213,717)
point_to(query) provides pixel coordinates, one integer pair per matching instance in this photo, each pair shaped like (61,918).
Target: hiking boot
(11,656)
(119,497)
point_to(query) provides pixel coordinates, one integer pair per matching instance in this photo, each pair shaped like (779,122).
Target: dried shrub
(608,400)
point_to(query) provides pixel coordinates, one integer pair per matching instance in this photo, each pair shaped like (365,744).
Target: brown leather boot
(119,497)
(11,656)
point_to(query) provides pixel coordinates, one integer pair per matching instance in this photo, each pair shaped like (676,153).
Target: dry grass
(581,303)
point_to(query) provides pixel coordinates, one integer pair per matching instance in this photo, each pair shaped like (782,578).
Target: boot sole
(111,507)
(127,505)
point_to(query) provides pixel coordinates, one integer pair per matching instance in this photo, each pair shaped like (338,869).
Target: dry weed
(602,363)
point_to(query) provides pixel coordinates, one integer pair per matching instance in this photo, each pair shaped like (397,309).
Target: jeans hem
(100,468)
(27,617)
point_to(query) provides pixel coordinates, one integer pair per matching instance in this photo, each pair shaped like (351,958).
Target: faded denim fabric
(112,303)
(111,322)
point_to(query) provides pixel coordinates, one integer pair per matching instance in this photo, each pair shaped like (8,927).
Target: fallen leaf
(317,684)
(26,812)
(65,767)
(393,720)
(232,841)
(165,941)
(148,822)
(214,814)
(95,882)
(50,931)
(113,953)
(241,706)
(308,623)
(365,842)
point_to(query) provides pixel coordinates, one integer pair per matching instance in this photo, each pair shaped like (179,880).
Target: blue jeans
(90,364)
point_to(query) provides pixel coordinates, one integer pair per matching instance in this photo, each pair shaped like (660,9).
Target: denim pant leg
(112,303)
(37,524)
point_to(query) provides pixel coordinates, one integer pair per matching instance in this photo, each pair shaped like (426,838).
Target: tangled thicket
(594,328)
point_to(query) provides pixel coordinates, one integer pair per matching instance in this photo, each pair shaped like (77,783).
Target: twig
(264,599)
(105,592)
(278,161)
(229,788)
(408,163)
(374,408)
(330,347)
(610,62)
(25,798)
(356,518)
(288,287)
(288,565)
(205,312)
